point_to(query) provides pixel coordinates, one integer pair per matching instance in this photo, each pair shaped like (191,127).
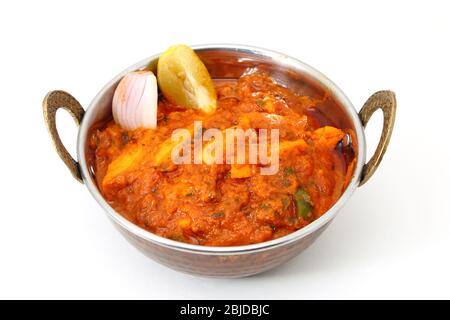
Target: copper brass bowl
(225,62)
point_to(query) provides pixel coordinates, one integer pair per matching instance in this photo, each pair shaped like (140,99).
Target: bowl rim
(227,250)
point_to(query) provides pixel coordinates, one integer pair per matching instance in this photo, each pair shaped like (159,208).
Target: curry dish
(224,204)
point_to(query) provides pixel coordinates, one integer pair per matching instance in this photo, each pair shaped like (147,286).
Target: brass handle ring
(52,102)
(384,100)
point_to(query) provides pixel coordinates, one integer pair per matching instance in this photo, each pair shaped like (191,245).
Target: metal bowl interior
(230,62)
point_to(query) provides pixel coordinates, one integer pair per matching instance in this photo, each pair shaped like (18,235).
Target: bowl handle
(384,100)
(52,102)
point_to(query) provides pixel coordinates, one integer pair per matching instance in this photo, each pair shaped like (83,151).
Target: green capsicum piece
(303,204)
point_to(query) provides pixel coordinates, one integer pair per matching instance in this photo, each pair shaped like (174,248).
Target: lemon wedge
(184,80)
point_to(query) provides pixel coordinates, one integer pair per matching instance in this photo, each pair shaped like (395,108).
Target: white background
(391,240)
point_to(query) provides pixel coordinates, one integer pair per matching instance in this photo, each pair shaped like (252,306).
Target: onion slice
(135,101)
